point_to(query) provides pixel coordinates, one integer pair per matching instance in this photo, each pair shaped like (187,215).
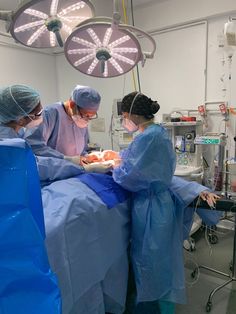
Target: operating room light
(47,23)
(102,47)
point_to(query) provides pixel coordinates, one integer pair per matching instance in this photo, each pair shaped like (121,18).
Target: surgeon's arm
(189,190)
(149,158)
(52,169)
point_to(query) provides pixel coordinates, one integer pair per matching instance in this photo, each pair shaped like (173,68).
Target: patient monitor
(119,136)
(188,154)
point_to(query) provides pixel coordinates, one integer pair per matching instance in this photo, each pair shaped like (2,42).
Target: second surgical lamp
(103,47)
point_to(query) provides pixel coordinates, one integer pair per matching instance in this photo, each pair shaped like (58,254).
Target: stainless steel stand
(231,206)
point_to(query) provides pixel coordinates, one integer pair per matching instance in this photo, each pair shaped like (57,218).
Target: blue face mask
(129,125)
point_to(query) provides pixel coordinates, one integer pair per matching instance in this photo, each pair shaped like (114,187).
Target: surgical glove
(92,157)
(98,167)
(75,159)
(209,197)
(110,155)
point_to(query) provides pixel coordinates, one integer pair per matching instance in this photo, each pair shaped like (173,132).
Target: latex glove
(110,155)
(92,157)
(75,159)
(209,197)
(98,167)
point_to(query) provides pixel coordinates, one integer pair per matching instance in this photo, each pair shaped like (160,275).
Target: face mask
(34,123)
(80,122)
(129,125)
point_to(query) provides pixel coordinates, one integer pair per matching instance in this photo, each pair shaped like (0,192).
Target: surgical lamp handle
(149,55)
(59,39)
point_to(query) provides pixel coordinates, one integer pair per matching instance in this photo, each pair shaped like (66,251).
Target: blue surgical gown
(156,242)
(27,283)
(58,135)
(86,241)
(50,168)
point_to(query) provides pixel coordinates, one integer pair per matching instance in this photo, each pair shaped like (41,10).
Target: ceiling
(12,4)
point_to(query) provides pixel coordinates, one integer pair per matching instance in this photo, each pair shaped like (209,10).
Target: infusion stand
(222,205)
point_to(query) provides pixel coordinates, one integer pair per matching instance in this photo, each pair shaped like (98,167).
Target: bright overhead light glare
(93,65)
(53,8)
(28,26)
(113,48)
(36,13)
(36,35)
(80,51)
(84,59)
(83,42)
(35,21)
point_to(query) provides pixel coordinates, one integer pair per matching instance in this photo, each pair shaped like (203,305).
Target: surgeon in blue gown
(64,132)
(27,283)
(86,239)
(158,204)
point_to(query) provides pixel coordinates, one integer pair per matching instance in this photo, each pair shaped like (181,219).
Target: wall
(22,66)
(174,12)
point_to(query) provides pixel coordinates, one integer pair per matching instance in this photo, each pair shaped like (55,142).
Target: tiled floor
(216,256)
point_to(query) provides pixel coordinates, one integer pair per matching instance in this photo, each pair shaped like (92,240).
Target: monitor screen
(119,113)
(116,109)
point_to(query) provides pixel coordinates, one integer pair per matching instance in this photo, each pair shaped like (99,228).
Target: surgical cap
(86,97)
(17,101)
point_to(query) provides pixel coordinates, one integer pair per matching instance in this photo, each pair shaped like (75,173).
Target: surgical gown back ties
(58,135)
(157,217)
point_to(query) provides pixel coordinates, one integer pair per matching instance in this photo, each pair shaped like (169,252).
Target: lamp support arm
(6,15)
(137,30)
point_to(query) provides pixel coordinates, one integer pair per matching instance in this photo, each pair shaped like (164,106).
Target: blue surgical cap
(86,97)
(17,101)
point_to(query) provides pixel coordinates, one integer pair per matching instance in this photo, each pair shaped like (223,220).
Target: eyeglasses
(87,116)
(35,116)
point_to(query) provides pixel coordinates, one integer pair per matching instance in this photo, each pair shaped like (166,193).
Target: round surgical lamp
(102,47)
(47,23)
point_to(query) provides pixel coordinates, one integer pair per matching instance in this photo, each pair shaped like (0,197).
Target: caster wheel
(193,274)
(231,266)
(213,239)
(189,245)
(208,307)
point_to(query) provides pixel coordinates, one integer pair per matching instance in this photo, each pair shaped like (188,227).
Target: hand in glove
(110,155)
(98,167)
(90,158)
